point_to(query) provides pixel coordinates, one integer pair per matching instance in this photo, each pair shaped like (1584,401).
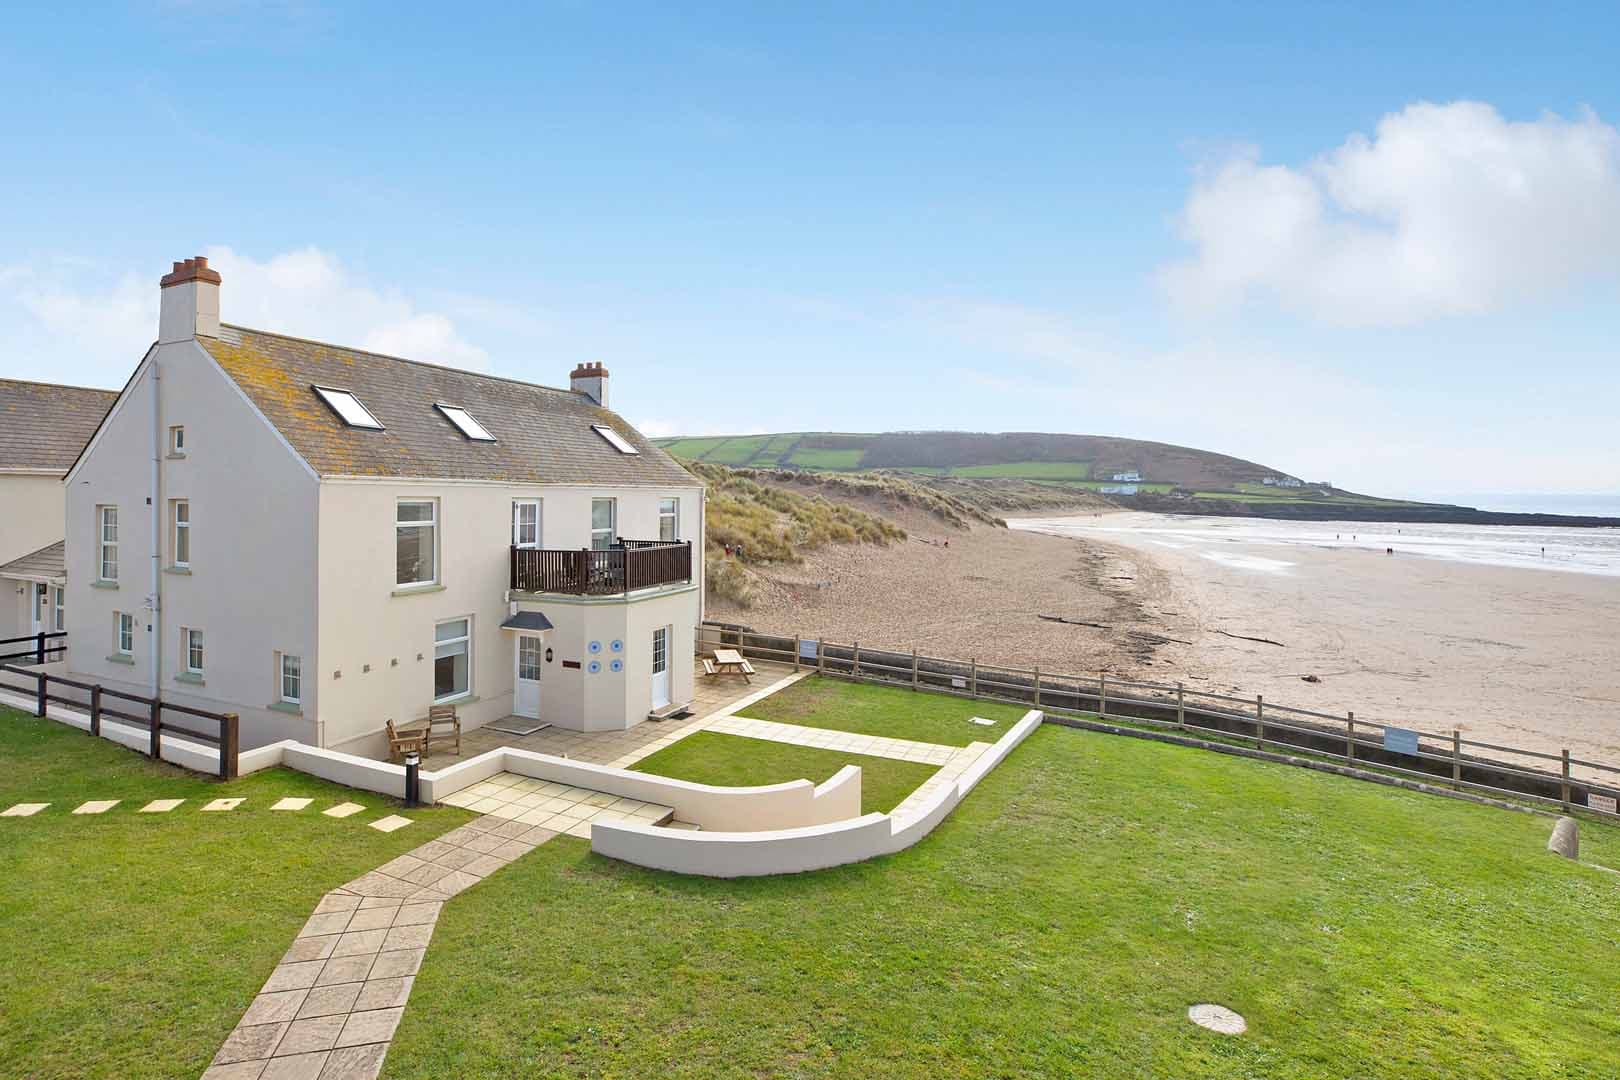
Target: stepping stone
(97,806)
(224,804)
(292,804)
(24,809)
(390,823)
(342,810)
(161,806)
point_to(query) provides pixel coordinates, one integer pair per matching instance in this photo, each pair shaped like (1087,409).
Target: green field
(812,458)
(737,451)
(1028,470)
(133,942)
(709,757)
(691,449)
(1058,924)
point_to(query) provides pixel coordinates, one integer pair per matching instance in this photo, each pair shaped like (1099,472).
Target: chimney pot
(190,301)
(590,377)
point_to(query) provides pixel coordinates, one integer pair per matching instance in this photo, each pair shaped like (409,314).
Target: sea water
(1261,545)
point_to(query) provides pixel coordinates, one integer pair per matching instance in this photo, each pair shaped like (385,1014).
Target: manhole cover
(1217,1018)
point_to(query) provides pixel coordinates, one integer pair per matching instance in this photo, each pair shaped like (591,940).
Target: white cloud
(1446,210)
(87,323)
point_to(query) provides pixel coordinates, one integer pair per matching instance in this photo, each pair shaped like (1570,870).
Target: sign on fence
(1401,740)
(807,649)
(1607,803)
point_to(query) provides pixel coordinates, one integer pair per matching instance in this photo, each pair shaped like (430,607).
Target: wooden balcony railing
(627,566)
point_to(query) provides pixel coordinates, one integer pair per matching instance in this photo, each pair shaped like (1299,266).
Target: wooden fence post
(157,728)
(39,702)
(821,654)
(95,709)
(1456,759)
(973,677)
(914,667)
(229,746)
(39,650)
(1102,695)
(796,651)
(1350,738)
(1563,787)
(856,663)
(1037,686)
(1181,707)
(1259,721)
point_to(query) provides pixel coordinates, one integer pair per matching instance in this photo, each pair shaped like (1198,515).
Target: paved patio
(622,748)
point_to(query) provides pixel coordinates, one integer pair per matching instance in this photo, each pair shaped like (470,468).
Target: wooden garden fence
(153,714)
(1560,779)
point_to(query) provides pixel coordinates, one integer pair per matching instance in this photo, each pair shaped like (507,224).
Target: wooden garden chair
(401,743)
(443,727)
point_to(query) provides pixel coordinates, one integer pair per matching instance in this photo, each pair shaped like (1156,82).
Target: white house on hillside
(323,539)
(42,429)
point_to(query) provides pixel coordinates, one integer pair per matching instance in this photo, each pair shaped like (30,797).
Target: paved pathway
(329,1010)
(290,804)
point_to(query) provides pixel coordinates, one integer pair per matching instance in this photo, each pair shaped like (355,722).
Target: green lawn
(897,713)
(709,757)
(1058,924)
(132,942)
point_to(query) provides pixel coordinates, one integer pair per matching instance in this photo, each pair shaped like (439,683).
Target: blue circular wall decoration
(595,646)
(617,646)
(595,666)
(617,665)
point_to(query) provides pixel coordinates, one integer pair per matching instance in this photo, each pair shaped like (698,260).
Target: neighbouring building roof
(49,563)
(542,435)
(44,426)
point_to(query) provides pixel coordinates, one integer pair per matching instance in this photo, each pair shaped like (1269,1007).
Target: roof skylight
(348,408)
(465,423)
(614,439)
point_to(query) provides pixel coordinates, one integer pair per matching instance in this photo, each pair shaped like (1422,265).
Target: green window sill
(99,584)
(183,570)
(288,707)
(190,677)
(412,590)
(117,659)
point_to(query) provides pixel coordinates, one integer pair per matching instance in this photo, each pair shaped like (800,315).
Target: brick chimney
(190,302)
(590,379)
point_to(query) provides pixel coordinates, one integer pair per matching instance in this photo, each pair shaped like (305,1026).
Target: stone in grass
(343,810)
(291,804)
(390,823)
(1217,1018)
(161,806)
(97,806)
(1565,839)
(224,804)
(24,809)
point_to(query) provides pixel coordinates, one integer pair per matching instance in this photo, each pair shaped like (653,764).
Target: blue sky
(1362,245)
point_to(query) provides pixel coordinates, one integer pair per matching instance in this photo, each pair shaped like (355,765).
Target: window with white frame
(465,423)
(180,514)
(191,647)
(348,407)
(526,523)
(669,519)
(614,439)
(177,441)
(604,519)
(452,659)
(416,542)
(107,534)
(123,633)
(528,657)
(58,609)
(290,678)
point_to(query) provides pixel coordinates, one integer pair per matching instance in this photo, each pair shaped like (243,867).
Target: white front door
(40,609)
(660,667)
(526,690)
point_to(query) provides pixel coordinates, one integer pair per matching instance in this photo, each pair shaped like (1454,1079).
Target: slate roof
(543,435)
(49,562)
(44,426)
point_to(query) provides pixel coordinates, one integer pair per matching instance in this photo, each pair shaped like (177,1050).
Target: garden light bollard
(413,764)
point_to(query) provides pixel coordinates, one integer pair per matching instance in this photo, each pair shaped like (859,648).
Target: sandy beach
(1526,657)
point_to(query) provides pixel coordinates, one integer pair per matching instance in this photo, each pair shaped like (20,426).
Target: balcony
(626,567)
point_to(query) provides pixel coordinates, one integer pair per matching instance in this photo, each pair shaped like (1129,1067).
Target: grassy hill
(1022,469)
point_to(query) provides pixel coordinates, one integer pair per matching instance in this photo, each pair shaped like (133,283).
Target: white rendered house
(42,429)
(323,539)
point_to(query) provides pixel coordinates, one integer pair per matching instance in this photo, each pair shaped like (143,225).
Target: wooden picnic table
(731,662)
